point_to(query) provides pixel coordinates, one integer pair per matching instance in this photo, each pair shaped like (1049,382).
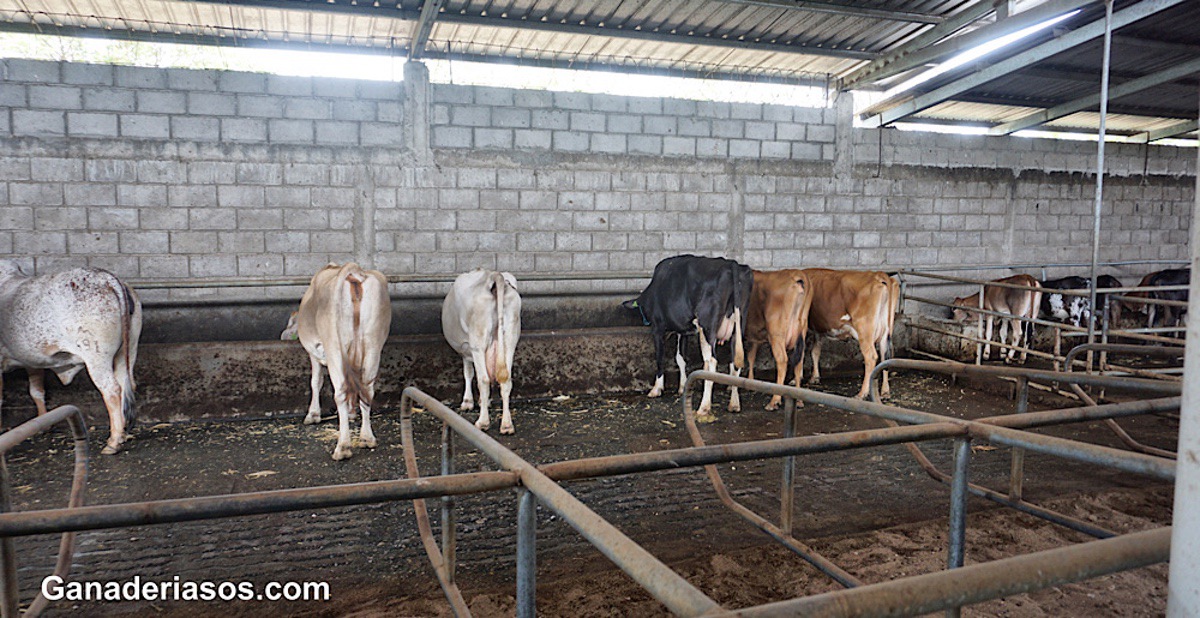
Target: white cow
(481,319)
(66,321)
(343,322)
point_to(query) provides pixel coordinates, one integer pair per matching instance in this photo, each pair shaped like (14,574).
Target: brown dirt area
(874,512)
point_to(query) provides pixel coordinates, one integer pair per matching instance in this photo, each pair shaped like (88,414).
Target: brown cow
(774,318)
(1020,303)
(850,303)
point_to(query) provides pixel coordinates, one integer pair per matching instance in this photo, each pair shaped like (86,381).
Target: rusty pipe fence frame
(9,605)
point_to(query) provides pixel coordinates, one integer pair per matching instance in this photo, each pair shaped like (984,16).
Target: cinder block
(87,74)
(40,243)
(744,148)
(661,125)
(90,243)
(240,196)
(241,242)
(212,265)
(192,196)
(140,78)
(334,88)
(331,132)
(251,83)
(573,100)
(510,117)
(191,79)
(570,141)
(144,242)
(41,71)
(711,147)
(760,130)
(162,171)
(260,265)
(354,110)
(14,95)
(65,218)
(535,241)
(35,194)
(451,137)
(16,218)
(495,139)
(532,139)
(197,128)
(553,119)
(776,150)
(380,91)
(381,134)
(305,219)
(679,146)
(51,169)
(608,143)
(212,219)
(163,219)
(587,121)
(719,110)
(645,105)
(533,98)
(471,115)
(161,102)
(477,221)
(290,131)
(538,200)
(259,219)
(645,144)
(142,196)
(695,127)
(746,111)
(38,123)
(805,151)
(821,133)
(211,104)
(90,194)
(452,93)
(145,126)
(163,266)
(55,97)
(259,106)
(243,130)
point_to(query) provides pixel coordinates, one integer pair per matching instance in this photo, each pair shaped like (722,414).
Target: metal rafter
(424,27)
(845,9)
(900,107)
(921,51)
(1172,131)
(1091,100)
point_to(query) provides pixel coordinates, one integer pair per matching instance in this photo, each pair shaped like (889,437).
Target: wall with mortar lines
(176,173)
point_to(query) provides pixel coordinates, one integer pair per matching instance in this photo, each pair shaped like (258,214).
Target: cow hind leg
(704,412)
(781,367)
(1005,351)
(37,389)
(987,347)
(885,389)
(815,378)
(679,361)
(106,382)
(314,404)
(735,403)
(468,401)
(485,386)
(365,435)
(506,424)
(867,346)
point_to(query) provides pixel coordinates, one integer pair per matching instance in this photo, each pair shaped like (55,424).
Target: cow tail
(1033,311)
(127,306)
(356,391)
(501,360)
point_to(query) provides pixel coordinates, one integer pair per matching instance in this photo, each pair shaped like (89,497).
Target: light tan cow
(850,303)
(481,319)
(343,322)
(774,318)
(1020,303)
(66,321)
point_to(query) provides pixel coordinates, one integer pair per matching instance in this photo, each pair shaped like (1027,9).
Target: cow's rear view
(343,322)
(481,319)
(66,321)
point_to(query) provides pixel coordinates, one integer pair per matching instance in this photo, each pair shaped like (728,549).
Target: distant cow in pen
(1020,303)
(481,319)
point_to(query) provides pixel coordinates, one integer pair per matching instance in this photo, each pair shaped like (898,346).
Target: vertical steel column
(1016,475)
(1184,595)
(526,554)
(1108,11)
(979,324)
(8,557)
(788,491)
(449,538)
(958,508)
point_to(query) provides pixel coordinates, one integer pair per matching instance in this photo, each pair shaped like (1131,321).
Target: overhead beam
(845,9)
(424,27)
(930,36)
(1163,46)
(365,9)
(918,53)
(1091,100)
(901,108)
(1172,131)
(1114,107)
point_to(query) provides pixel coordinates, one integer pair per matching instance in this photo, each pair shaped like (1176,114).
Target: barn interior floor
(372,553)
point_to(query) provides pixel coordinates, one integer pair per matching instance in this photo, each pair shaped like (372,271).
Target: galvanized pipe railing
(71,415)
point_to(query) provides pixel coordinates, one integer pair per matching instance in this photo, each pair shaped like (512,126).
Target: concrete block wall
(167,173)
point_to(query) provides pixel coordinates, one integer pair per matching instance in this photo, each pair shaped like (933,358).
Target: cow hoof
(507,429)
(773,404)
(369,442)
(341,453)
(814,381)
(312,419)
(111,450)
(466,405)
(654,392)
(482,426)
(705,418)
(735,408)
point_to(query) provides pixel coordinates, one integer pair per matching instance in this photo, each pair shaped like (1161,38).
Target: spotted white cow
(481,319)
(65,322)
(343,322)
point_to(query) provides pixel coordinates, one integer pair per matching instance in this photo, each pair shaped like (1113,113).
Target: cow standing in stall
(1171,276)
(1073,310)
(774,318)
(841,304)
(1021,303)
(703,295)
(481,319)
(343,322)
(67,321)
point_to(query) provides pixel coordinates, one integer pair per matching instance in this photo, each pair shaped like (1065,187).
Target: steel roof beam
(424,27)
(1165,132)
(845,9)
(908,107)
(1114,107)
(948,27)
(1090,101)
(543,26)
(920,52)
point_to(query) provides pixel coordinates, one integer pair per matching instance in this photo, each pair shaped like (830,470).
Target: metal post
(788,491)
(1183,595)
(8,556)
(526,554)
(979,324)
(449,536)
(1108,11)
(958,508)
(1016,475)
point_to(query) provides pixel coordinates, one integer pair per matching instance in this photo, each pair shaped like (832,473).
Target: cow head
(962,315)
(292,332)
(11,268)
(632,305)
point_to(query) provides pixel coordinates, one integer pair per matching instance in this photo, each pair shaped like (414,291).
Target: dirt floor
(874,512)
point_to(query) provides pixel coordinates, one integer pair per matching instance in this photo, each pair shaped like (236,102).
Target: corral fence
(540,486)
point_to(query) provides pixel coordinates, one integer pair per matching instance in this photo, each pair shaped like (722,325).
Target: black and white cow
(691,294)
(1073,310)
(1171,276)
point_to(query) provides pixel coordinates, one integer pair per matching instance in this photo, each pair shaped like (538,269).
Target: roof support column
(1183,594)
(1108,25)
(417,93)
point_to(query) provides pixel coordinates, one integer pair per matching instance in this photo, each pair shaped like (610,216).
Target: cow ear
(630,304)
(510,280)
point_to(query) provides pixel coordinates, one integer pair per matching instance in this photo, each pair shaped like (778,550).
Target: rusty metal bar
(958,510)
(449,524)
(658,579)
(526,554)
(787,492)
(1061,416)
(932,592)
(9,593)
(1149,465)
(946,367)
